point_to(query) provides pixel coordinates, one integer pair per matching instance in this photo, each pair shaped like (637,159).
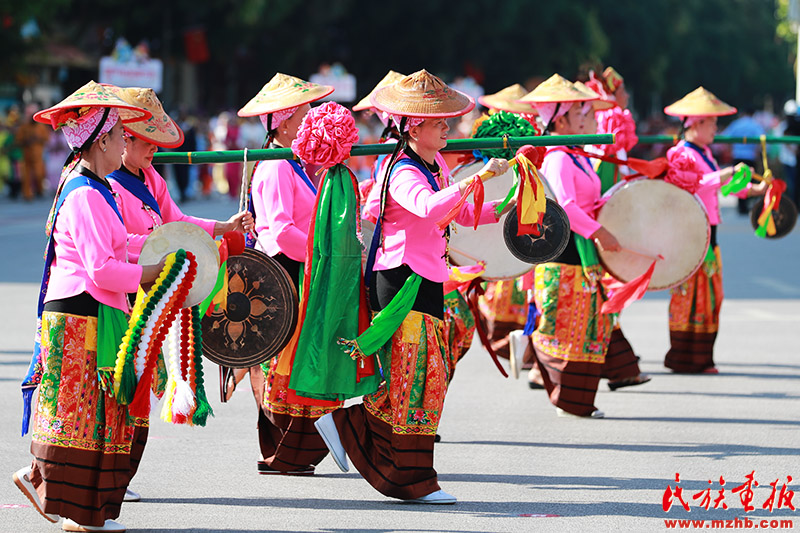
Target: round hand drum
(260,317)
(468,245)
(784,217)
(651,217)
(173,236)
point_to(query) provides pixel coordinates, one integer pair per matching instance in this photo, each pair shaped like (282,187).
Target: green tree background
(740,49)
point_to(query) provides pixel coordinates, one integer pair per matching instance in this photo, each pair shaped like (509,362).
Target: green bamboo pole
(234,156)
(723,139)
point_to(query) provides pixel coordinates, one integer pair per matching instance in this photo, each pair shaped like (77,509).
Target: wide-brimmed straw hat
(508,99)
(159,129)
(284,92)
(557,89)
(699,103)
(604,100)
(390,78)
(421,95)
(94,94)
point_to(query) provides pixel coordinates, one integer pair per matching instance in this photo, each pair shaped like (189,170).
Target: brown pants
(398,466)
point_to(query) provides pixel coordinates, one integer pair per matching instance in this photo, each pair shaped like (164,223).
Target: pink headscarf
(78,128)
(277,117)
(547,111)
(383,116)
(691,121)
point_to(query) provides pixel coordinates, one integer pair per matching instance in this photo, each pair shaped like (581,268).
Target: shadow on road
(712,451)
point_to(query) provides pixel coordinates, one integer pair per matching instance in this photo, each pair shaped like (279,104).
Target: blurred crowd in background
(31,155)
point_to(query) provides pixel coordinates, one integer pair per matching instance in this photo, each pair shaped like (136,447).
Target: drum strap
(300,171)
(136,187)
(710,162)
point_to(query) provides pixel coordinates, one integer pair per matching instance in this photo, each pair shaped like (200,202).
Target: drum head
(550,244)
(367,231)
(468,245)
(653,217)
(261,315)
(173,236)
(785,217)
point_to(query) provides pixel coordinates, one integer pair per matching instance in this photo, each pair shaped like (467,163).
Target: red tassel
(477,201)
(472,302)
(475,188)
(140,405)
(652,169)
(235,242)
(626,293)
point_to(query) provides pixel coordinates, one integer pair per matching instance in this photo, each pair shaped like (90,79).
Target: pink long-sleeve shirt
(411,236)
(90,252)
(577,189)
(710,178)
(284,205)
(140,220)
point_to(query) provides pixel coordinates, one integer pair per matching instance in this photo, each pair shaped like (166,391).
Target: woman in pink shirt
(282,199)
(572,336)
(145,203)
(621,366)
(694,306)
(82,438)
(390,436)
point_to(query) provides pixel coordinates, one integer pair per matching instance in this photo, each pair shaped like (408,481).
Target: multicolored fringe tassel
(186,400)
(150,320)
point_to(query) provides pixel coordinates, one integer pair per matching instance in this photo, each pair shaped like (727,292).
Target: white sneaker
(110,526)
(327,430)
(517,343)
(23,483)
(439,497)
(131,496)
(597,413)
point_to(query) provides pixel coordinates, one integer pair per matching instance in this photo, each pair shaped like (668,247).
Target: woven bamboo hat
(558,89)
(283,92)
(159,129)
(93,94)
(422,95)
(508,99)
(699,103)
(604,100)
(389,79)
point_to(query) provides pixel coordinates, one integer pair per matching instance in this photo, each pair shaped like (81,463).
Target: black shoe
(437,438)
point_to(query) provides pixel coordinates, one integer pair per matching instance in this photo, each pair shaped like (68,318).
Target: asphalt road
(511,462)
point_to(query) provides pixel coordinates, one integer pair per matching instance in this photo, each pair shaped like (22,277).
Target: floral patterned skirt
(694,319)
(389,437)
(82,439)
(459,324)
(572,337)
(504,308)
